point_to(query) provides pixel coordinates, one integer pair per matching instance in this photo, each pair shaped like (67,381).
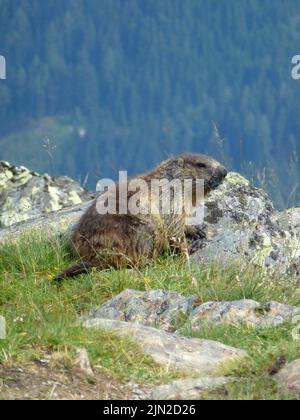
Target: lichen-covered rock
(242,312)
(242,224)
(201,357)
(26,195)
(155,308)
(284,255)
(49,225)
(170,311)
(288,378)
(188,389)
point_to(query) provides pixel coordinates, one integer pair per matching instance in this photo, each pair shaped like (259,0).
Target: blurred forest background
(95,86)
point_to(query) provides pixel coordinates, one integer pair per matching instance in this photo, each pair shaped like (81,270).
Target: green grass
(264,347)
(41,316)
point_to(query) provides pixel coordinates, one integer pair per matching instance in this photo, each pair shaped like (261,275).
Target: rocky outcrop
(242,224)
(26,195)
(170,311)
(154,308)
(49,224)
(187,355)
(243,312)
(134,314)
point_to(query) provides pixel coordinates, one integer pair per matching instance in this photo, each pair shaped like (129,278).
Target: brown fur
(118,240)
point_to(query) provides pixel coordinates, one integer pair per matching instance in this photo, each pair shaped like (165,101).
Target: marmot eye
(200,165)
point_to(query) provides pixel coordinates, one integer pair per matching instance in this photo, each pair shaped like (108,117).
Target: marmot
(129,240)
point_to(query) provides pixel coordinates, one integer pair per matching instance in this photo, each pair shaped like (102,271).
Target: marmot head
(195,166)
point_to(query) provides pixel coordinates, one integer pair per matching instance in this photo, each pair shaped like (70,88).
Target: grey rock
(242,224)
(26,195)
(246,312)
(170,311)
(155,308)
(288,378)
(58,224)
(188,389)
(202,357)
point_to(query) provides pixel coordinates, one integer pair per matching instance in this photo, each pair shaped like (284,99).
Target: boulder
(201,357)
(242,312)
(170,311)
(26,195)
(241,224)
(154,308)
(58,224)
